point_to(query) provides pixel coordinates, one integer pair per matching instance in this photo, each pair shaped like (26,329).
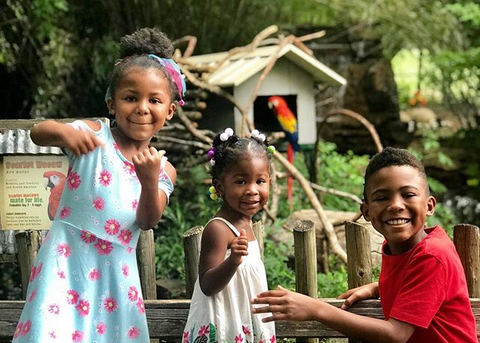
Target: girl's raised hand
(80,142)
(147,166)
(239,247)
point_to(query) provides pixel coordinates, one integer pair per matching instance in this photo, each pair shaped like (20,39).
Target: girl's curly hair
(134,51)
(146,41)
(234,149)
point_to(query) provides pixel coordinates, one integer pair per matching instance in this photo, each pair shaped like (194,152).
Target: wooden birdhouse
(294,76)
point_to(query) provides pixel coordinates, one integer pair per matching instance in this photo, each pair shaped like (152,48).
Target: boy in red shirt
(422,285)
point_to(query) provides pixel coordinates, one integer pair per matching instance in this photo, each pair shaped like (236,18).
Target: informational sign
(31,190)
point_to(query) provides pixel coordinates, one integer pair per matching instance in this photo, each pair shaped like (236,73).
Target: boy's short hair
(389,157)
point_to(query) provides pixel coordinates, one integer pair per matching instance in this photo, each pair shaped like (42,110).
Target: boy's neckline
(388,251)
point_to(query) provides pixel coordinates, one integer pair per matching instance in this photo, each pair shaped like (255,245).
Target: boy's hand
(285,305)
(239,247)
(80,142)
(147,166)
(369,291)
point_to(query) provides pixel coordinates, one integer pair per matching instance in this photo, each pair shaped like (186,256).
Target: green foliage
(469,138)
(333,283)
(189,206)
(169,243)
(78,32)
(429,148)
(467,12)
(276,265)
(342,172)
(443,217)
(398,24)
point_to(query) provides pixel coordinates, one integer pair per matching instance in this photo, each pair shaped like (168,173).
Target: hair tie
(174,71)
(213,193)
(226,135)
(258,136)
(211,155)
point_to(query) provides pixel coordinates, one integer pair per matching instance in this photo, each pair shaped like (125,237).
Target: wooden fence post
(305,262)
(191,245)
(28,243)
(359,264)
(466,238)
(258,231)
(146,264)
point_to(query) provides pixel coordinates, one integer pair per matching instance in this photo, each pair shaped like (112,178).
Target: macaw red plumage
(54,180)
(288,122)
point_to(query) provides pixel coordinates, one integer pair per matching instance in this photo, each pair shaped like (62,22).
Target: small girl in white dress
(231,271)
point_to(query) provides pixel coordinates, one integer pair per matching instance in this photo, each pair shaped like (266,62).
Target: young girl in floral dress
(84,285)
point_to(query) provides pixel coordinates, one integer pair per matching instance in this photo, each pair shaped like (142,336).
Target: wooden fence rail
(167,318)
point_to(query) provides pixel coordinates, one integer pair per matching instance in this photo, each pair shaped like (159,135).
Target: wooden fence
(167,318)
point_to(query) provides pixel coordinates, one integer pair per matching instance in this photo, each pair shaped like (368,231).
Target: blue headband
(174,71)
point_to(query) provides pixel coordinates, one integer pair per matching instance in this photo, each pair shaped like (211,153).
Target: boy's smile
(397,203)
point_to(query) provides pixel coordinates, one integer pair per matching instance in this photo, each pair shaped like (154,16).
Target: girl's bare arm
(152,201)
(215,272)
(53,133)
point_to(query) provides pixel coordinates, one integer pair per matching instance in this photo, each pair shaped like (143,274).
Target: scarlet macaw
(56,182)
(288,122)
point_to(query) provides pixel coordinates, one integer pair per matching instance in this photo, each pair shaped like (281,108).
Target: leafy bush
(189,206)
(276,262)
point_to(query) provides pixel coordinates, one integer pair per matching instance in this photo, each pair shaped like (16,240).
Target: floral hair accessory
(226,135)
(213,193)
(258,136)
(271,149)
(174,71)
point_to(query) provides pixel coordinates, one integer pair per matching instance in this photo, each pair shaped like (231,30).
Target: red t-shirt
(426,287)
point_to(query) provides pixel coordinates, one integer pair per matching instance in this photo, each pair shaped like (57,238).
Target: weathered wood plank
(167,318)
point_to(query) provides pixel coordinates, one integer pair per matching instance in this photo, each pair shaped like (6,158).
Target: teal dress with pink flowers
(84,286)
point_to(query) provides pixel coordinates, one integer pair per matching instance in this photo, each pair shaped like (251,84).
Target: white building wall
(284,79)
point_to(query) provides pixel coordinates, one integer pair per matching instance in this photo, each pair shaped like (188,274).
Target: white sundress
(227,316)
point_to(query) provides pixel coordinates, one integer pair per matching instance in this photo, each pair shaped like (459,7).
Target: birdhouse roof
(225,71)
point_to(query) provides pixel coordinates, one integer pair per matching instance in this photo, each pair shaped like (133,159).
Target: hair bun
(146,41)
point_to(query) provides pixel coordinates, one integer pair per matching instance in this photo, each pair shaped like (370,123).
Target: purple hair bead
(211,152)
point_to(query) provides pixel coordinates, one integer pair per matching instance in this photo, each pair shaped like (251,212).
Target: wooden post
(191,245)
(467,242)
(359,265)
(146,264)
(305,262)
(28,243)
(258,231)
